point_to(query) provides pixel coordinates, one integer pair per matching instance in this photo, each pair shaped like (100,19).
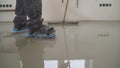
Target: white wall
(90,10)
(53,10)
(7,15)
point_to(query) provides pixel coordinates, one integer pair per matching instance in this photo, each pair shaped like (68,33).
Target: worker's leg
(20,18)
(33,9)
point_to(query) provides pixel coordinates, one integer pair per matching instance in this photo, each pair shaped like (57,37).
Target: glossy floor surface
(83,45)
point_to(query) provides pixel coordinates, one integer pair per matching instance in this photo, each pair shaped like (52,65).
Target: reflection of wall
(9,60)
(64,64)
(98,41)
(0,42)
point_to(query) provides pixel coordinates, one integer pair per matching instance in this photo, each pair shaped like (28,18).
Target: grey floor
(86,45)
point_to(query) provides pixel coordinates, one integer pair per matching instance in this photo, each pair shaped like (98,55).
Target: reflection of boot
(41,30)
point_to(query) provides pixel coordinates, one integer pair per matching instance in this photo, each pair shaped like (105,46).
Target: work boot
(21,28)
(42,31)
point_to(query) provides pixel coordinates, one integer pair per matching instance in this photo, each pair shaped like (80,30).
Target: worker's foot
(43,32)
(21,28)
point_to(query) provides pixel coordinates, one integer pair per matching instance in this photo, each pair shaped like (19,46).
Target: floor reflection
(87,46)
(31,51)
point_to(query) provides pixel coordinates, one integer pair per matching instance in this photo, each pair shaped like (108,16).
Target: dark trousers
(30,8)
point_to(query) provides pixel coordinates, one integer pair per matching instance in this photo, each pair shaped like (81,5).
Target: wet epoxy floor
(86,45)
